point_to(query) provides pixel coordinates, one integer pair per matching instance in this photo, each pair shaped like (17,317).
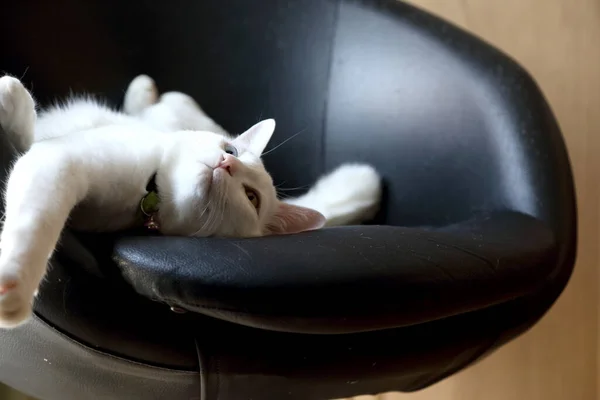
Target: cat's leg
(173,111)
(17,113)
(42,189)
(39,197)
(350,194)
(141,94)
(177,111)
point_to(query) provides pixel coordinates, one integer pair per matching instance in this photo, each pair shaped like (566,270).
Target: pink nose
(229,163)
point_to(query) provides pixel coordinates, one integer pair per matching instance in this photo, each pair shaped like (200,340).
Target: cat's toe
(8,286)
(141,94)
(15,304)
(183,109)
(15,101)
(10,85)
(17,112)
(178,99)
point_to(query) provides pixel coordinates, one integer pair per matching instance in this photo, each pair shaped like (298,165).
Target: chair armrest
(347,279)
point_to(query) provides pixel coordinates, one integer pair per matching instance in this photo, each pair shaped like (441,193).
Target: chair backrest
(456,127)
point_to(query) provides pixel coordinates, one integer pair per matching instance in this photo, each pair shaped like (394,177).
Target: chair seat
(348,279)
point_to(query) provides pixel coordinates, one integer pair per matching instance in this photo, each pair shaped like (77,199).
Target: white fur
(348,195)
(90,165)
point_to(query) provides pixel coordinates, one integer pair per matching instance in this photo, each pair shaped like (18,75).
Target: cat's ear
(256,138)
(293,219)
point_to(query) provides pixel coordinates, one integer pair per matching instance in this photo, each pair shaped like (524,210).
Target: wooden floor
(559,42)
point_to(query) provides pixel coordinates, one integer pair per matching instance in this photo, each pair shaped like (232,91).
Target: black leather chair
(475,241)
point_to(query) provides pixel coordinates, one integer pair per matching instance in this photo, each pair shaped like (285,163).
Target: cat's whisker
(282,195)
(294,188)
(220,212)
(202,213)
(282,143)
(207,218)
(24,73)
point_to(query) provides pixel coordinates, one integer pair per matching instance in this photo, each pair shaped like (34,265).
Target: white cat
(92,166)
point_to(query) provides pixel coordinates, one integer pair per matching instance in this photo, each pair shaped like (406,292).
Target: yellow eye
(253,197)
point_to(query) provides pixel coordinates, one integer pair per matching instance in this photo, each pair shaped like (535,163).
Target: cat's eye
(229,149)
(253,197)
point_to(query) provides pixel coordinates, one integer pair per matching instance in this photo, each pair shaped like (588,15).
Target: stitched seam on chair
(178,371)
(231,310)
(312,318)
(252,313)
(218,375)
(202,373)
(334,34)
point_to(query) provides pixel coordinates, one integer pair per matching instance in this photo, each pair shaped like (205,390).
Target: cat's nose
(230,164)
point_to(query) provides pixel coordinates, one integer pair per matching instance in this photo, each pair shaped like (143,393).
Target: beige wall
(558,41)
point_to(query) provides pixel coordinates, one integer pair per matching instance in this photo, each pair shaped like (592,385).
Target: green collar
(149,206)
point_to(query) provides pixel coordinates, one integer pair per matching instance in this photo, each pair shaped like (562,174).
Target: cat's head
(213,185)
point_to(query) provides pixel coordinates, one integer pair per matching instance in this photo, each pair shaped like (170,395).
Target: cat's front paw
(350,194)
(17,112)
(187,113)
(16,301)
(141,94)
(16,102)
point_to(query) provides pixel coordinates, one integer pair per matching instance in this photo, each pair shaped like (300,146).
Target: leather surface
(47,365)
(346,279)
(458,130)
(455,126)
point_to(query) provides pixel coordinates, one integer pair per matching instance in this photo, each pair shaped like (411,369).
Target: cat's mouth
(219,174)
(210,180)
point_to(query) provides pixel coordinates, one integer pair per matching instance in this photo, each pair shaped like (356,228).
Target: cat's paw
(350,194)
(351,183)
(17,112)
(16,301)
(177,100)
(187,112)
(141,94)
